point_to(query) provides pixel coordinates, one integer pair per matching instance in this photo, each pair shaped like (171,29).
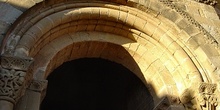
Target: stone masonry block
(167,77)
(67,17)
(192,30)
(123,16)
(192,44)
(114,14)
(141,50)
(85,13)
(159,65)
(130,19)
(171,15)
(179,81)
(166,40)
(61,42)
(210,52)
(180,55)
(160,31)
(27,41)
(56,18)
(188,65)
(140,23)
(173,47)
(150,27)
(104,13)
(170,65)
(95,13)
(183,23)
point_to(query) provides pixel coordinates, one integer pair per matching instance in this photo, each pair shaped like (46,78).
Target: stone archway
(97,84)
(168,55)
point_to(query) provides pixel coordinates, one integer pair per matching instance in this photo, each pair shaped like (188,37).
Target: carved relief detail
(202,98)
(208,2)
(11,62)
(11,84)
(206,98)
(13,77)
(11,44)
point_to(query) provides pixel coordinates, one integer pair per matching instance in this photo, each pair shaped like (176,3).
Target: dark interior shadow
(95,84)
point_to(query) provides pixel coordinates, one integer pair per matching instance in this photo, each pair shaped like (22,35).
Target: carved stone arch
(159,44)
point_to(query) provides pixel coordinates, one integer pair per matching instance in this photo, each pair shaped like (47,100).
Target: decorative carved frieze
(13,77)
(11,62)
(208,2)
(206,98)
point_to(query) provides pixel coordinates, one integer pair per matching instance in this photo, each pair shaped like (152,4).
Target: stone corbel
(13,77)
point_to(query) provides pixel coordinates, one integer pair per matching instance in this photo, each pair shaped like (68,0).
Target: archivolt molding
(54,60)
(146,7)
(35,18)
(112,6)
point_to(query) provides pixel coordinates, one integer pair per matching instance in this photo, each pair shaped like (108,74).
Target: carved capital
(17,63)
(201,96)
(38,85)
(206,96)
(207,88)
(13,77)
(11,84)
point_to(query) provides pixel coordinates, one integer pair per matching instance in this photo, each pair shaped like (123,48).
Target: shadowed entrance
(95,84)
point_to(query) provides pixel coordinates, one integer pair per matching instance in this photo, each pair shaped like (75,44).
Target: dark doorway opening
(95,84)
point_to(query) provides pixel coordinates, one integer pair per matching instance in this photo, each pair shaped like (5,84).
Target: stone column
(13,80)
(33,96)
